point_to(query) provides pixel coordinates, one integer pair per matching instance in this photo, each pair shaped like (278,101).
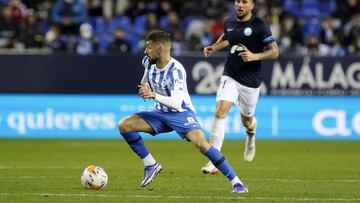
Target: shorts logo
(191,121)
(247,31)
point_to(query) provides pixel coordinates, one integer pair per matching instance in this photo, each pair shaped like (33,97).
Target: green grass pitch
(282,171)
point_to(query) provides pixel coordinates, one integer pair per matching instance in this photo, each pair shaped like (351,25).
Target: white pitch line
(303,180)
(298,168)
(35,167)
(276,179)
(181,197)
(35,177)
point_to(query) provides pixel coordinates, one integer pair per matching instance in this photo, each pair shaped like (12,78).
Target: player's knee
(124,125)
(247,124)
(246,121)
(199,141)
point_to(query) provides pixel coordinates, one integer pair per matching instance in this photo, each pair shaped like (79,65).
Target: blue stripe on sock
(220,162)
(213,154)
(136,143)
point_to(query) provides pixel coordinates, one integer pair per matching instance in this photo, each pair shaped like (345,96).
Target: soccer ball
(94,178)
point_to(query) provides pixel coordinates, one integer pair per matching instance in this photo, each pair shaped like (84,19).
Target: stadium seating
(312,27)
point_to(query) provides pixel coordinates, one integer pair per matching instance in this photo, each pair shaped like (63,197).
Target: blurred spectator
(109,8)
(190,8)
(337,48)
(31,34)
(55,41)
(94,7)
(261,9)
(151,22)
(329,29)
(119,45)
(43,10)
(273,21)
(18,10)
(345,9)
(31,4)
(355,49)
(213,9)
(86,44)
(291,37)
(178,46)
(9,29)
(194,43)
(206,38)
(195,28)
(173,23)
(69,15)
(313,47)
(119,6)
(142,26)
(164,7)
(138,8)
(218,26)
(353,38)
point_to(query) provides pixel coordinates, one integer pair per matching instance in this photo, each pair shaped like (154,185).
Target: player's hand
(247,55)
(208,51)
(145,91)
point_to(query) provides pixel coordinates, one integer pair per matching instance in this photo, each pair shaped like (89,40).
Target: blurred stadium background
(69,71)
(301,27)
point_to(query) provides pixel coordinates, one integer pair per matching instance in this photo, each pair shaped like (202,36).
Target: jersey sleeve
(145,63)
(265,34)
(226,25)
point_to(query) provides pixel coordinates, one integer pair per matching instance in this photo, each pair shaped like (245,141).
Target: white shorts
(246,97)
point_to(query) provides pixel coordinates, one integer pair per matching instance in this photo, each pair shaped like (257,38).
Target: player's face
(152,51)
(243,8)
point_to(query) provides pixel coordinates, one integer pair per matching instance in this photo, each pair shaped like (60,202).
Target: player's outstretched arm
(271,52)
(218,45)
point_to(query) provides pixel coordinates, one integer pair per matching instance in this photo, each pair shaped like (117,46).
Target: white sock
(236,180)
(217,133)
(149,160)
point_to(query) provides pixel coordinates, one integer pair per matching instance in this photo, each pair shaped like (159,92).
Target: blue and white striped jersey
(169,81)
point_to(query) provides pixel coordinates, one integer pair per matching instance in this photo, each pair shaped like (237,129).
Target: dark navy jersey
(255,34)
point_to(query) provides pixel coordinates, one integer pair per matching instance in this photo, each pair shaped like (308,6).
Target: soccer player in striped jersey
(164,81)
(249,40)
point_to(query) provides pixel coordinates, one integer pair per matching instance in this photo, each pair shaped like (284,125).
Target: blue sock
(220,162)
(136,143)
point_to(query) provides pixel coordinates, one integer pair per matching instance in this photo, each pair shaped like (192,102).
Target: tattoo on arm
(271,52)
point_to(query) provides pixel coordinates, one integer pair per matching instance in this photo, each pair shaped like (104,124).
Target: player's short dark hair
(158,36)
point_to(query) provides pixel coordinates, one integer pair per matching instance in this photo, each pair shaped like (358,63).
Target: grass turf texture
(282,171)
